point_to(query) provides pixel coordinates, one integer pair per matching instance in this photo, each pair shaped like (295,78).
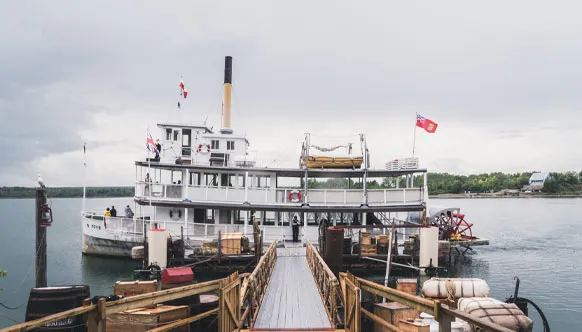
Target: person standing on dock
(295,229)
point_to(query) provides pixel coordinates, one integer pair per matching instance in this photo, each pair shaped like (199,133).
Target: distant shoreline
(457,196)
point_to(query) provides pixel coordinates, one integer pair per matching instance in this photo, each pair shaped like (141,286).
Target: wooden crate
(407,285)
(131,288)
(413,326)
(368,249)
(209,244)
(141,319)
(382,239)
(393,313)
(231,243)
(365,238)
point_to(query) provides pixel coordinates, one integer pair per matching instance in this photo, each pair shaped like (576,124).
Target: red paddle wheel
(452,225)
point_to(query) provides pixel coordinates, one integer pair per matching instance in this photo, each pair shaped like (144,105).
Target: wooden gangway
(292,299)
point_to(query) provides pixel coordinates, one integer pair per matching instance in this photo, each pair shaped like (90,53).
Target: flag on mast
(150,144)
(428,125)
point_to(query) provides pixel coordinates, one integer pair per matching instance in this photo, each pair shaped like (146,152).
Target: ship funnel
(226,129)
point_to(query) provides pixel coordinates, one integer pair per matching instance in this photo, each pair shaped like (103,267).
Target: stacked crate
(382,245)
(366,246)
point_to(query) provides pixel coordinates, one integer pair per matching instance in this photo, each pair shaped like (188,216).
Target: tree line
(445,183)
(67,192)
(438,183)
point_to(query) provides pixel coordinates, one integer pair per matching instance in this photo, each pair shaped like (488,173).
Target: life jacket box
(231,243)
(131,288)
(145,319)
(393,313)
(177,275)
(505,314)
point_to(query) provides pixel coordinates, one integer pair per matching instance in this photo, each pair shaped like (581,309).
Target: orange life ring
(205,148)
(294,196)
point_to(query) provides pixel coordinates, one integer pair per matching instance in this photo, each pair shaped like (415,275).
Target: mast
(226,128)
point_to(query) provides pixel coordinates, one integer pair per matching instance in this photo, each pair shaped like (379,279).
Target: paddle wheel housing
(452,224)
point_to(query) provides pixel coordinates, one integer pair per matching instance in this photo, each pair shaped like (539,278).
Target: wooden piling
(40,248)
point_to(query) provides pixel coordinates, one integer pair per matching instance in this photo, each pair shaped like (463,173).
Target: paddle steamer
(206,182)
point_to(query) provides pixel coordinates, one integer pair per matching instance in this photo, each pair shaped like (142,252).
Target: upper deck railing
(227,194)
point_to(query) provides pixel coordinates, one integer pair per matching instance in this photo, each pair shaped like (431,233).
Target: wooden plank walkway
(292,299)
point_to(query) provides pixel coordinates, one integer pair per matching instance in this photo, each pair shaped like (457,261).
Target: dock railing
(327,283)
(255,288)
(96,314)
(353,286)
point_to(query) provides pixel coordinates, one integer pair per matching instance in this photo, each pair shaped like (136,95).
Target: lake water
(537,239)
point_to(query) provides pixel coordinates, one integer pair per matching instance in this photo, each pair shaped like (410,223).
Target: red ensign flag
(426,124)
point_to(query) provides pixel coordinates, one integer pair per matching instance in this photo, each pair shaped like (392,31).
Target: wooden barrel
(334,242)
(46,301)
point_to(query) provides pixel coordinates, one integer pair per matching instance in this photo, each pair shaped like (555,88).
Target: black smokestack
(228,69)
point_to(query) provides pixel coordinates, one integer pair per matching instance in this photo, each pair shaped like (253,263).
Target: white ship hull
(109,236)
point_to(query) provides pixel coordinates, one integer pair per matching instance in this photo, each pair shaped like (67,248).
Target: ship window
(186,137)
(235,180)
(176,135)
(194,179)
(211,179)
(215,144)
(230,145)
(168,134)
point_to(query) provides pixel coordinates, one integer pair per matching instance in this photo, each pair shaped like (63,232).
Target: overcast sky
(501,78)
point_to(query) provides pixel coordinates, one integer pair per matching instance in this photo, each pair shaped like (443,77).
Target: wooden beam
(149,299)
(184,321)
(41,322)
(416,302)
(380,321)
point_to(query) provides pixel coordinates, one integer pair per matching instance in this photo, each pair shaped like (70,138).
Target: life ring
(294,196)
(176,214)
(204,148)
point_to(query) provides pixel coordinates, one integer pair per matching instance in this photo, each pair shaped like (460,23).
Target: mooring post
(40,249)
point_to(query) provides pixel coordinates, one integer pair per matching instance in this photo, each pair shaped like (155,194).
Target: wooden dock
(292,299)
(291,289)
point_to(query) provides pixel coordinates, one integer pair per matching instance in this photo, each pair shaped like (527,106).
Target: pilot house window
(215,145)
(168,134)
(230,145)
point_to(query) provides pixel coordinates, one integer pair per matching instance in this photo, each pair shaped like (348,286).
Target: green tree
(550,186)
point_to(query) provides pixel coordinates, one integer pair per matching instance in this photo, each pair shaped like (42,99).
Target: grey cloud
(483,64)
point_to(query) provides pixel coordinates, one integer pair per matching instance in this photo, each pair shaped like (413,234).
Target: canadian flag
(181,85)
(185,93)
